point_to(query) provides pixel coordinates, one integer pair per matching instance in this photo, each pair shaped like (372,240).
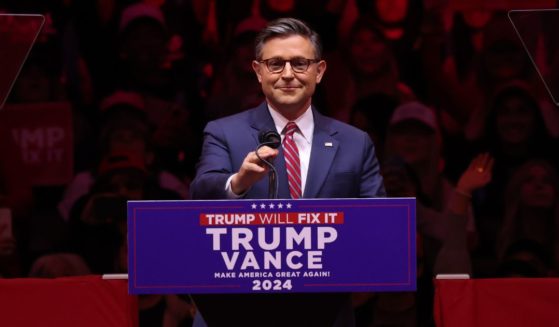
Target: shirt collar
(305,123)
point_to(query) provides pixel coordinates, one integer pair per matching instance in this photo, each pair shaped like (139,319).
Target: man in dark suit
(335,160)
(319,157)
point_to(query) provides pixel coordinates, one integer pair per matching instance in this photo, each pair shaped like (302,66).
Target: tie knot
(290,128)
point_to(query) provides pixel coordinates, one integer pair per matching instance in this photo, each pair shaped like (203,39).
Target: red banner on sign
(271,218)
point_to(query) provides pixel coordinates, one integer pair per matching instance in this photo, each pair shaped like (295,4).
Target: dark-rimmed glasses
(299,65)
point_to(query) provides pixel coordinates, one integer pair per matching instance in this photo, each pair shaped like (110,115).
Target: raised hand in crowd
(454,255)
(477,175)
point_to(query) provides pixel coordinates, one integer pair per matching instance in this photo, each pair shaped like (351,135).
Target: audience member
(98,219)
(364,66)
(125,127)
(514,133)
(400,23)
(372,114)
(237,89)
(59,265)
(525,259)
(532,209)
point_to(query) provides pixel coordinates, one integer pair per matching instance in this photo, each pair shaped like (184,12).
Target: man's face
(289,92)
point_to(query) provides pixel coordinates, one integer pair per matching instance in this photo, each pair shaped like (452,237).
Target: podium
(301,309)
(272,262)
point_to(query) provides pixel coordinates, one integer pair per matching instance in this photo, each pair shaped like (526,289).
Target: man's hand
(252,170)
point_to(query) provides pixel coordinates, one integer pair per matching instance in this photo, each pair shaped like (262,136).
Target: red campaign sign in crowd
(40,135)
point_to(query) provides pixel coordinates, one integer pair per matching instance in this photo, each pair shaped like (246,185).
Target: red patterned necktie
(292,162)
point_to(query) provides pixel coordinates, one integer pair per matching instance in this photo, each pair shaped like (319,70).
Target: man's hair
(284,27)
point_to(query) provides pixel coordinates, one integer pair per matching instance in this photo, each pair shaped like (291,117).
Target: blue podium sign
(272,246)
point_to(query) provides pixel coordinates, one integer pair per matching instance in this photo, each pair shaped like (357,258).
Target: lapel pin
(329,144)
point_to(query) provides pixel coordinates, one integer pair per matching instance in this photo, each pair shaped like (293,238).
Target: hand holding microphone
(257,164)
(269,138)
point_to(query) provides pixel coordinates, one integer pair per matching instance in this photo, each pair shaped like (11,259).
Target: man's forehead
(290,44)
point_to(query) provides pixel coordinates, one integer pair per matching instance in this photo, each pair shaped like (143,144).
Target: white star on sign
(271,206)
(253,206)
(288,206)
(280,205)
(262,206)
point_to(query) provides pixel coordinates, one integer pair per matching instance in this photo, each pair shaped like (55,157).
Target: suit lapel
(261,120)
(323,151)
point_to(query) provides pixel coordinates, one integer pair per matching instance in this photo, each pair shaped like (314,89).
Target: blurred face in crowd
(127,139)
(413,141)
(538,190)
(173,130)
(477,18)
(397,180)
(368,53)
(392,11)
(505,60)
(289,92)
(33,85)
(515,120)
(127,184)
(144,50)
(281,6)
(243,56)
(360,121)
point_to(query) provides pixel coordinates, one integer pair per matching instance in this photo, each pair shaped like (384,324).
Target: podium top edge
(283,200)
(114,276)
(453,276)
(22,15)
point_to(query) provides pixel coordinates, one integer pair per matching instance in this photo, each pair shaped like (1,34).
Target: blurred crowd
(458,114)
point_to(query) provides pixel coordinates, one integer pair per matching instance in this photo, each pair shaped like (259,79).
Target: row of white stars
(271,206)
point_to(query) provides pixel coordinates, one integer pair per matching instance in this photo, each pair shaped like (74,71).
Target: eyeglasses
(299,65)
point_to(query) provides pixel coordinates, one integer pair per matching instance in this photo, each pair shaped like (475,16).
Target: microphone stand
(273,184)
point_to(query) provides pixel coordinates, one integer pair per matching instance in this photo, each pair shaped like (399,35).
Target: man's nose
(287,71)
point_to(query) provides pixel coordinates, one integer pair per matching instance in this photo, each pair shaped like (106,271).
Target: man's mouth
(288,87)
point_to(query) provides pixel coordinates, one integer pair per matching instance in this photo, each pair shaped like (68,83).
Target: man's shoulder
(242,116)
(339,127)
(234,123)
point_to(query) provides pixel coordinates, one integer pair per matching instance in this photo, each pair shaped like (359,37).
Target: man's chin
(288,105)
(288,100)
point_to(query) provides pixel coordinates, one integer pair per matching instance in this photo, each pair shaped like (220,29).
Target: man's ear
(256,67)
(320,69)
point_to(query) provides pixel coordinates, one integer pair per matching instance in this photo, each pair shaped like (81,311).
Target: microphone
(272,139)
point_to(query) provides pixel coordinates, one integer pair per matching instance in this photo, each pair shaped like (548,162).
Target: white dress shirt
(302,137)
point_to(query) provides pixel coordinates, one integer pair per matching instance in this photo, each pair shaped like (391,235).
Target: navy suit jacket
(342,164)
